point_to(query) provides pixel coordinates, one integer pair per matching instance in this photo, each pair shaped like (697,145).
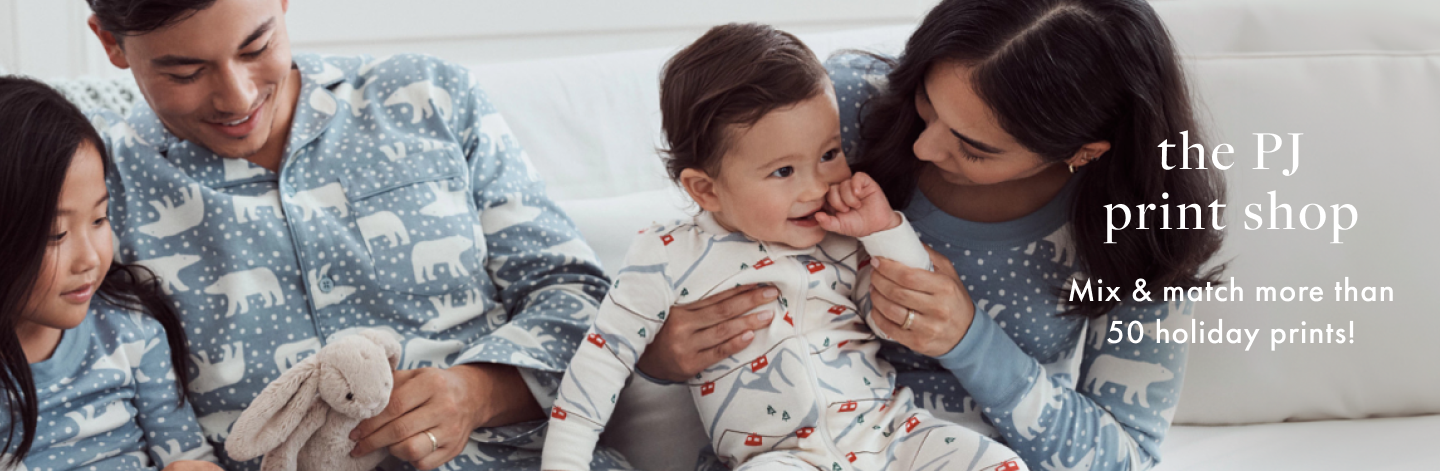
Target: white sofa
(1360,80)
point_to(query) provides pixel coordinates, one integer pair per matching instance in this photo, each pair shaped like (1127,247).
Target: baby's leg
(776,461)
(940,445)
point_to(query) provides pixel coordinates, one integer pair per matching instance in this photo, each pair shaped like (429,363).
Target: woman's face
(79,252)
(962,138)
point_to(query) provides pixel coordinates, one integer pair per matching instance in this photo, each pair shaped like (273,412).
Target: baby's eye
(783,172)
(831,155)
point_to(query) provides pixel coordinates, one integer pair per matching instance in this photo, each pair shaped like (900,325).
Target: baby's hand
(856,207)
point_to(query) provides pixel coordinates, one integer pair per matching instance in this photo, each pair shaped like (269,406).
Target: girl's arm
(172,434)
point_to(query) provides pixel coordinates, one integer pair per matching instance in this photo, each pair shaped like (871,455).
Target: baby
(754,135)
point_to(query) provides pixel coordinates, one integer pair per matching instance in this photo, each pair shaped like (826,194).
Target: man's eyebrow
(260,31)
(171,60)
(986,148)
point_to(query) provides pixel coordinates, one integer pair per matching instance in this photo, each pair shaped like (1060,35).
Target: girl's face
(79,252)
(962,139)
(774,178)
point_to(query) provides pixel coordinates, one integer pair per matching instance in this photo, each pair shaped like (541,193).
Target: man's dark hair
(734,74)
(136,17)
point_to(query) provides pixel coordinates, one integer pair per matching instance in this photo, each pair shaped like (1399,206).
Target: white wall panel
(48,38)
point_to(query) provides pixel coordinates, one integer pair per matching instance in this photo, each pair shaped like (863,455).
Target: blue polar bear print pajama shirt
(403,203)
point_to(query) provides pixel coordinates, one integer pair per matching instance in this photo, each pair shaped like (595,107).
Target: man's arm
(547,277)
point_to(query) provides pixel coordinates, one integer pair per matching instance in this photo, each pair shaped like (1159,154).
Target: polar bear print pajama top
(107,399)
(403,203)
(808,392)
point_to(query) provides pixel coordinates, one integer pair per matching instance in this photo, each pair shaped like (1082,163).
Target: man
(286,200)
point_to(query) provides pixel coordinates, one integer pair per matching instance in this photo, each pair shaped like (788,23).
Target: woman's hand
(699,335)
(448,404)
(941,303)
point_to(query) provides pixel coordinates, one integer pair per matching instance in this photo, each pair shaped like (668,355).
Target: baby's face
(775,176)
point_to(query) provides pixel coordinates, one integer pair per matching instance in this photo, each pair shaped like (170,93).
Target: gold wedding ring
(909,319)
(434,444)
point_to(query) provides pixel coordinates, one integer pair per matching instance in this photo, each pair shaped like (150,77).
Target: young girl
(89,380)
(754,137)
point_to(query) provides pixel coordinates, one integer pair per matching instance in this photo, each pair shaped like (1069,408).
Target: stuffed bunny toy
(303,419)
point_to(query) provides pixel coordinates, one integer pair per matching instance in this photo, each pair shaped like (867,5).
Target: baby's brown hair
(733,75)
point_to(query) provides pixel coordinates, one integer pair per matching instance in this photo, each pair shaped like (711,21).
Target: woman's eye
(102,221)
(58,237)
(783,172)
(969,156)
(831,155)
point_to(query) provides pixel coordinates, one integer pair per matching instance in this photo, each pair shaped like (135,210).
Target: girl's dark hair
(135,17)
(1060,74)
(40,132)
(734,74)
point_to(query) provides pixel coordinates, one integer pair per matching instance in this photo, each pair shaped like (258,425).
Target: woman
(1004,129)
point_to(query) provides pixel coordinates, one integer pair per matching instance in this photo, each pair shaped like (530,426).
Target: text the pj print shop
(1339,217)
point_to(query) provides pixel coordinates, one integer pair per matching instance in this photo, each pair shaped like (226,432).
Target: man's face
(214,77)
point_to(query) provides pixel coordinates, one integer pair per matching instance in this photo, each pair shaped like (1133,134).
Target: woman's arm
(172,433)
(1115,417)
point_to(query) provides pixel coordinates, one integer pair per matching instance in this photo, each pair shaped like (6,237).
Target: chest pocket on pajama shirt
(419,223)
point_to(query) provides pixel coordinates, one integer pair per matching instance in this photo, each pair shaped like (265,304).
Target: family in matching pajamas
(404,203)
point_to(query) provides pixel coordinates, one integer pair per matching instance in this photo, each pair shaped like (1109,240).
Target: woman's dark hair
(734,74)
(135,17)
(1060,74)
(40,132)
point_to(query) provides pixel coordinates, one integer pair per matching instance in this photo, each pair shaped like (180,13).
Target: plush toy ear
(273,416)
(388,342)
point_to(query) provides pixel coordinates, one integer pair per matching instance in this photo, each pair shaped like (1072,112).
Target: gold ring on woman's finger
(909,319)
(434,444)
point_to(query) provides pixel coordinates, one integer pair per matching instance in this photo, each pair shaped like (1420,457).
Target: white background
(49,38)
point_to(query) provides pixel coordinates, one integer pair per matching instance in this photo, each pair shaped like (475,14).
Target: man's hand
(193,465)
(857,207)
(447,404)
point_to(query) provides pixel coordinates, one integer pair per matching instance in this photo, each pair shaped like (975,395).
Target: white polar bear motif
(317,199)
(176,217)
(386,225)
(1135,376)
(444,251)
(420,96)
(167,269)
(248,207)
(236,287)
(226,369)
